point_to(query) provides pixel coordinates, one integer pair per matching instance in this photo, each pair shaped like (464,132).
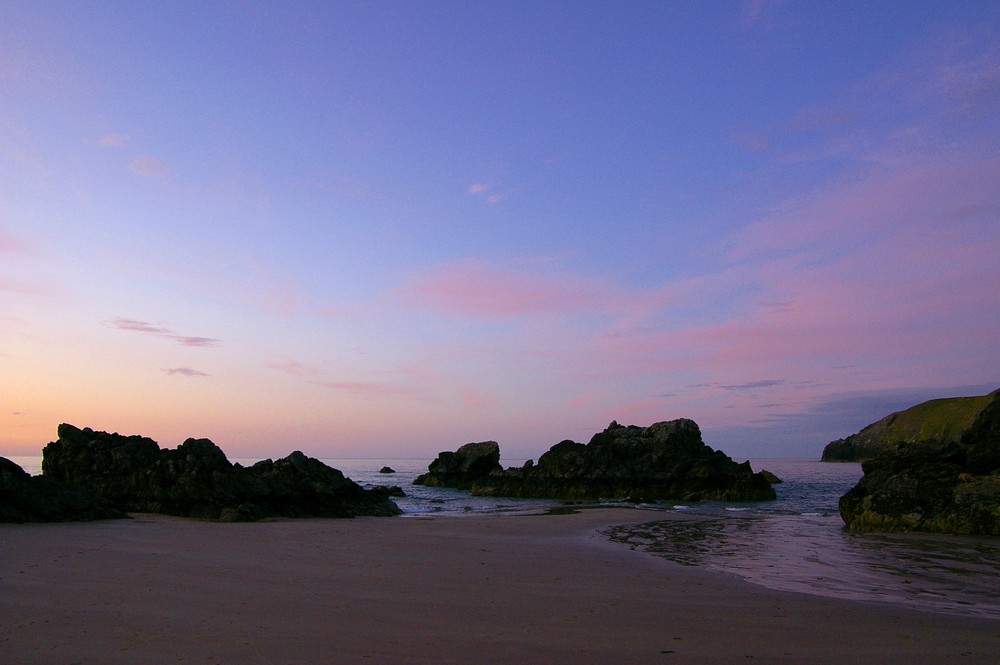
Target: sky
(385,229)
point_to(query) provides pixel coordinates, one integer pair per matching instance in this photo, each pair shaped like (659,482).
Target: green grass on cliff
(939,419)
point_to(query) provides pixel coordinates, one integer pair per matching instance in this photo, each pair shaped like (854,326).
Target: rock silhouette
(667,460)
(196,479)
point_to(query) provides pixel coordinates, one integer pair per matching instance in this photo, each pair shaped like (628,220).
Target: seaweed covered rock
(667,460)
(933,486)
(197,480)
(26,498)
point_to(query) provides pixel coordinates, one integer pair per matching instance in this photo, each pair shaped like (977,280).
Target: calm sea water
(794,543)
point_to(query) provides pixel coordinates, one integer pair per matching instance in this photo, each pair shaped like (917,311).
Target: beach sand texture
(442,589)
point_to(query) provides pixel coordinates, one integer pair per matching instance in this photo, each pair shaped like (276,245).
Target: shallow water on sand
(798,543)
(810,554)
(794,543)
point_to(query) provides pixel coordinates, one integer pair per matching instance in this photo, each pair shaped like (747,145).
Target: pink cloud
(486,191)
(26,288)
(477,289)
(183,371)
(147,166)
(480,289)
(114,140)
(315,375)
(11,245)
(295,368)
(884,281)
(365,388)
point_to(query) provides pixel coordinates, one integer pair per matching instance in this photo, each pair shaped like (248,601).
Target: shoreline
(537,588)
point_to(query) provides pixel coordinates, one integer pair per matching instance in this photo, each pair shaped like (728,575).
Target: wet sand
(446,589)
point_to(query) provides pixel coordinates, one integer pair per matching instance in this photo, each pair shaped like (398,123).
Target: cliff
(941,420)
(935,485)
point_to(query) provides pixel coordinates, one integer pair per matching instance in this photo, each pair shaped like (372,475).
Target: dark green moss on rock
(933,485)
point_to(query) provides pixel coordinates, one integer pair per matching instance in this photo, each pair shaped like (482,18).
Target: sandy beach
(484,589)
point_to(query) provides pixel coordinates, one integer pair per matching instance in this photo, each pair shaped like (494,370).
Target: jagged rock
(770,477)
(387,469)
(26,498)
(463,467)
(197,480)
(933,486)
(667,460)
(940,420)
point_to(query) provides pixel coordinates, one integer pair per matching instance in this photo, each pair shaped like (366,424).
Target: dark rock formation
(667,460)
(770,477)
(940,420)
(933,486)
(464,467)
(197,480)
(26,498)
(387,469)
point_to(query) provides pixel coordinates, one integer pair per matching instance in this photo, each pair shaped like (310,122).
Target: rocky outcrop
(463,468)
(939,420)
(667,460)
(196,479)
(933,485)
(26,498)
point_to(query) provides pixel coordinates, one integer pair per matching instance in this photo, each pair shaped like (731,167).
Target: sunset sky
(384,229)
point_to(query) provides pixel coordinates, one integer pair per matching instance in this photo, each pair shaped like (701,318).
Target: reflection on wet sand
(813,554)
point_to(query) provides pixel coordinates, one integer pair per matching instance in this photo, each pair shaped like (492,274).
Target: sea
(796,542)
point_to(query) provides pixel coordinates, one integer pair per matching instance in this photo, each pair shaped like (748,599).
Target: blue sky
(388,228)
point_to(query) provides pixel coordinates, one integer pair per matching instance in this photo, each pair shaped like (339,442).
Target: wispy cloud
(24,288)
(494,290)
(12,245)
(183,371)
(932,100)
(114,140)
(752,385)
(150,329)
(761,15)
(149,167)
(319,376)
(793,428)
(365,388)
(487,192)
(295,368)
